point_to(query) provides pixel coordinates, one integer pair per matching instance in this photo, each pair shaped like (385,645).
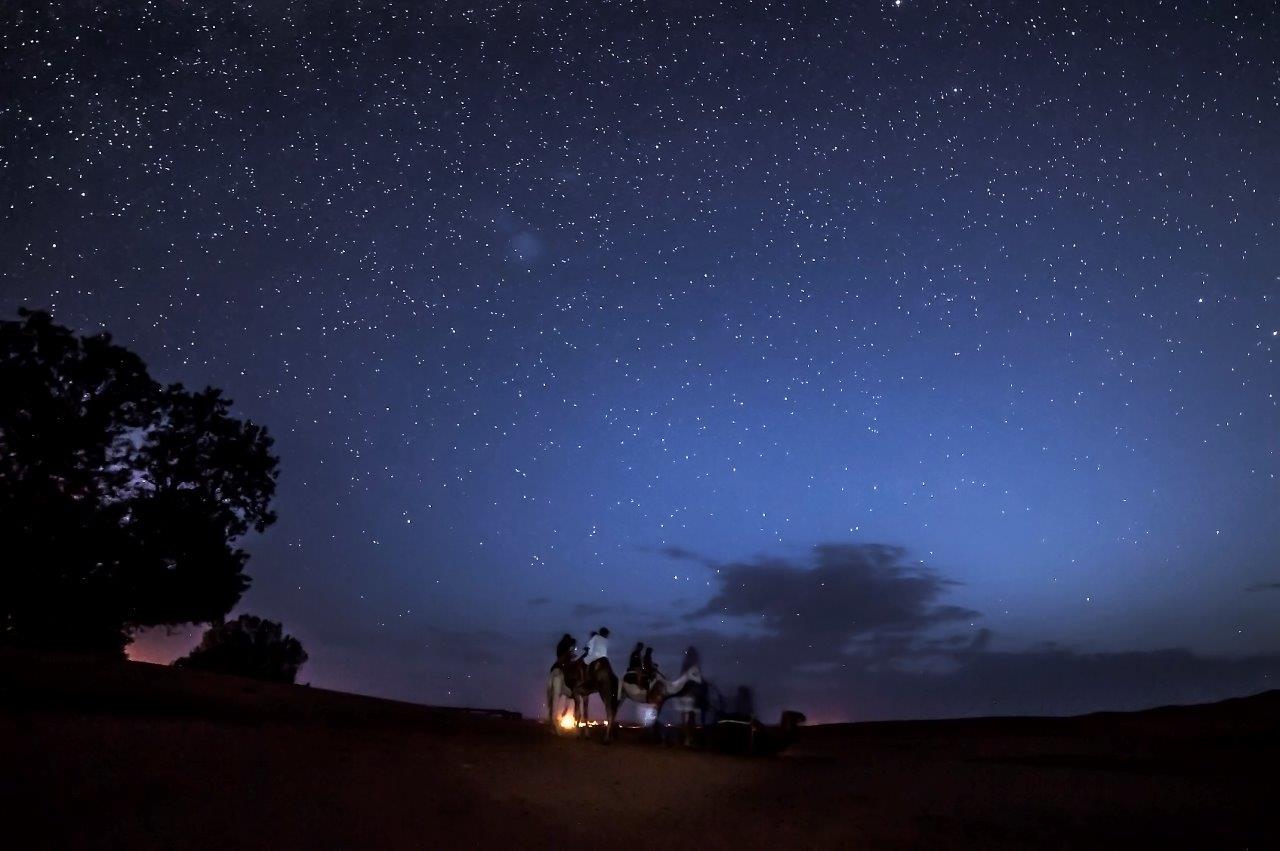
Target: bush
(248,646)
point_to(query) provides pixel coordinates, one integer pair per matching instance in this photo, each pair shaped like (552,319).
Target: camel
(578,681)
(558,688)
(660,690)
(692,701)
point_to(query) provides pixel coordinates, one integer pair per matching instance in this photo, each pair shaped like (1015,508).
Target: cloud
(861,599)
(619,610)
(856,632)
(679,554)
(1264,586)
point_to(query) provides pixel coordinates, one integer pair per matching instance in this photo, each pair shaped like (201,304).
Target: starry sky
(909,359)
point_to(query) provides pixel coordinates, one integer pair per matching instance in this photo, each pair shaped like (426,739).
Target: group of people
(567,648)
(641,664)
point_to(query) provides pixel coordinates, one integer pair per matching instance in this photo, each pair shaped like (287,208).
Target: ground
(107,755)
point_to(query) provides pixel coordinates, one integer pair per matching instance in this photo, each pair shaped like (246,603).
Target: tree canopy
(248,646)
(122,501)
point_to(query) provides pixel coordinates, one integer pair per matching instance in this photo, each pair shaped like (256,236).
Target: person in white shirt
(597,646)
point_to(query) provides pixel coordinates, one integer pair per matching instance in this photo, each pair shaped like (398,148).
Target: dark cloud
(622,611)
(842,598)
(1264,586)
(857,632)
(679,554)
(539,601)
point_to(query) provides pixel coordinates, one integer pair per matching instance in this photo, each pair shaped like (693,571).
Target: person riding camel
(648,667)
(566,649)
(597,646)
(635,665)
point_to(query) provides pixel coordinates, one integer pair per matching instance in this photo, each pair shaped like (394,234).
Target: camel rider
(634,664)
(566,649)
(648,667)
(597,646)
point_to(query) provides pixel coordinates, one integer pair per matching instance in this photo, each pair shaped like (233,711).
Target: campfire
(568,722)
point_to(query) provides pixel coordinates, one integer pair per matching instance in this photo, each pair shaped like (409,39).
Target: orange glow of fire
(567,721)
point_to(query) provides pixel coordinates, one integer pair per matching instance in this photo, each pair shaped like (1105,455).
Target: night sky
(910,359)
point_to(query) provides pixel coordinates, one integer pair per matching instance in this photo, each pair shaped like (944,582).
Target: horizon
(909,361)
(628,717)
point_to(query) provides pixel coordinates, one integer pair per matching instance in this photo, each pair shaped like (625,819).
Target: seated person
(597,647)
(566,648)
(648,666)
(634,664)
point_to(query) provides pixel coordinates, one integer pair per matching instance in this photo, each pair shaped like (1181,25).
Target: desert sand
(108,755)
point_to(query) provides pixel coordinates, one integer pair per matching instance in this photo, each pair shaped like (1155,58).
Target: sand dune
(133,756)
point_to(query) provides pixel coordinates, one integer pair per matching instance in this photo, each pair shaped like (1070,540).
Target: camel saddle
(576,670)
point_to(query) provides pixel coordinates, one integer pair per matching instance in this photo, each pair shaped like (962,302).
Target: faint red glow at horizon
(159,647)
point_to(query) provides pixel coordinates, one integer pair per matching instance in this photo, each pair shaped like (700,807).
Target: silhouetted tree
(248,646)
(121,501)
